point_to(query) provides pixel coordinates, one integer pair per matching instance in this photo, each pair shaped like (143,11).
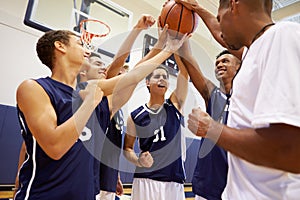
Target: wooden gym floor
(8,193)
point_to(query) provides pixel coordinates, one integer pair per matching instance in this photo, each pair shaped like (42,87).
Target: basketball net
(92,31)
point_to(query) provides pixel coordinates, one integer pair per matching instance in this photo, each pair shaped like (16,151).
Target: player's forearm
(158,47)
(131,156)
(182,82)
(65,135)
(182,88)
(276,146)
(141,70)
(211,23)
(123,53)
(201,83)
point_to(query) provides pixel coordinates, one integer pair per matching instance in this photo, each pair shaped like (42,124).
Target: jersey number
(162,138)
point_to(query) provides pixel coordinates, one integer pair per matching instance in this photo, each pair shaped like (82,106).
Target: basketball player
(159,174)
(96,69)
(263,129)
(106,175)
(210,174)
(144,22)
(110,182)
(56,158)
(58,165)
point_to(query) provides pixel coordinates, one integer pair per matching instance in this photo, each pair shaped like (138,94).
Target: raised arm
(108,85)
(127,83)
(41,118)
(201,83)
(178,96)
(208,18)
(159,45)
(144,22)
(211,23)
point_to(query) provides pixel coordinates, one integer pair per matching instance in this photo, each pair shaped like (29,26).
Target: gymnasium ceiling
(286,10)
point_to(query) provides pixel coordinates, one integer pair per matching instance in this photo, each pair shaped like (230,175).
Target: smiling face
(97,68)
(225,67)
(158,82)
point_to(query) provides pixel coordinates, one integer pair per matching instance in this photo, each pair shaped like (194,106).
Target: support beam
(287,11)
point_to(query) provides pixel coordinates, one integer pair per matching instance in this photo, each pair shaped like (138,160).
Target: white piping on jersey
(183,143)
(20,170)
(222,94)
(22,122)
(33,169)
(145,108)
(140,112)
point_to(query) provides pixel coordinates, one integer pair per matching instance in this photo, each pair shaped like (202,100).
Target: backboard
(47,15)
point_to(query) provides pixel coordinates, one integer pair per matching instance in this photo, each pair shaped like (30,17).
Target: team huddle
(72,121)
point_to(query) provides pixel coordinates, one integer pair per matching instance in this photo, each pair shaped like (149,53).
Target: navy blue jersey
(159,132)
(70,177)
(109,167)
(210,175)
(98,124)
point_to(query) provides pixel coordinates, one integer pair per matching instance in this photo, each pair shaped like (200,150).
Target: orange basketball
(178,17)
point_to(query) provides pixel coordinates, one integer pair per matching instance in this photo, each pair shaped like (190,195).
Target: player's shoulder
(30,94)
(28,85)
(285,28)
(137,110)
(287,24)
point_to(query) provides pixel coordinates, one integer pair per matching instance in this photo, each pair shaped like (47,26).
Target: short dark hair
(93,54)
(45,45)
(223,53)
(159,67)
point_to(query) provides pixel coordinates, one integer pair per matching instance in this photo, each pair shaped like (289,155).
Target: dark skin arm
(276,146)
(201,83)
(211,23)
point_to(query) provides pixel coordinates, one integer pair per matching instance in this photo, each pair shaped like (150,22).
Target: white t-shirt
(266,90)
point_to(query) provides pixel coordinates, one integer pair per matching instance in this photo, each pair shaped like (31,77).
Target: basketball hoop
(92,31)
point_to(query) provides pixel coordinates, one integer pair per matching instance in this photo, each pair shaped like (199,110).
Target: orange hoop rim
(88,36)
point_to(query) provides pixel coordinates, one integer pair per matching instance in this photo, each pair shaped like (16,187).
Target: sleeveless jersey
(210,175)
(109,167)
(96,126)
(70,177)
(159,132)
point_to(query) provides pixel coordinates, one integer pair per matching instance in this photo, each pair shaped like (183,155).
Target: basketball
(178,17)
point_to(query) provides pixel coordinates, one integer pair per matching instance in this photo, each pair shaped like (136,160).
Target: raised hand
(189,4)
(145,159)
(173,44)
(162,36)
(145,22)
(165,3)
